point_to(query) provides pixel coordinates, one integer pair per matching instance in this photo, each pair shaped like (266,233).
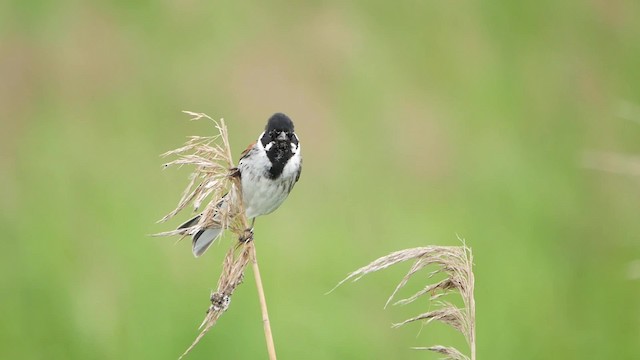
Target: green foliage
(418,120)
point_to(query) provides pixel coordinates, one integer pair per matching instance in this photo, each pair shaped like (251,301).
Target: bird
(268,170)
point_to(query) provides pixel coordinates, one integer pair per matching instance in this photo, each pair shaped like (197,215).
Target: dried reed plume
(214,176)
(456,263)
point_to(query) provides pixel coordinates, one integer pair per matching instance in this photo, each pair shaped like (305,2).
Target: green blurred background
(511,123)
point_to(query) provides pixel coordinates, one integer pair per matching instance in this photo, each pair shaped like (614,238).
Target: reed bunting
(268,170)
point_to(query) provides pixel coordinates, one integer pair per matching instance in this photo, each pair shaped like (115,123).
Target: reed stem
(263,304)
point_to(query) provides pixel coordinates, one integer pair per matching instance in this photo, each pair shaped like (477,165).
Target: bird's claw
(247,236)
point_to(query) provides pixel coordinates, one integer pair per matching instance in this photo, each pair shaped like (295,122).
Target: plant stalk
(271,349)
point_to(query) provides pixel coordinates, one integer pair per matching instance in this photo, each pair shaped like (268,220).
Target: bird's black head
(279,129)
(279,122)
(279,142)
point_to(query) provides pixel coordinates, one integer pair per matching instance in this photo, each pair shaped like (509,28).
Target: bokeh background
(513,124)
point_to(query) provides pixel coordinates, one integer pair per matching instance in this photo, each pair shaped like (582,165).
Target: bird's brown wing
(246,151)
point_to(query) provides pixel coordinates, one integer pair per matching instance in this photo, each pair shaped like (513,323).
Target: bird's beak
(282,136)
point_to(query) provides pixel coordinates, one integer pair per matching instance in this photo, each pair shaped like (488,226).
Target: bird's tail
(203,238)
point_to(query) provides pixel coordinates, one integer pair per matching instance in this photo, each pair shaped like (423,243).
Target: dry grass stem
(449,352)
(271,349)
(215,177)
(456,263)
(232,275)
